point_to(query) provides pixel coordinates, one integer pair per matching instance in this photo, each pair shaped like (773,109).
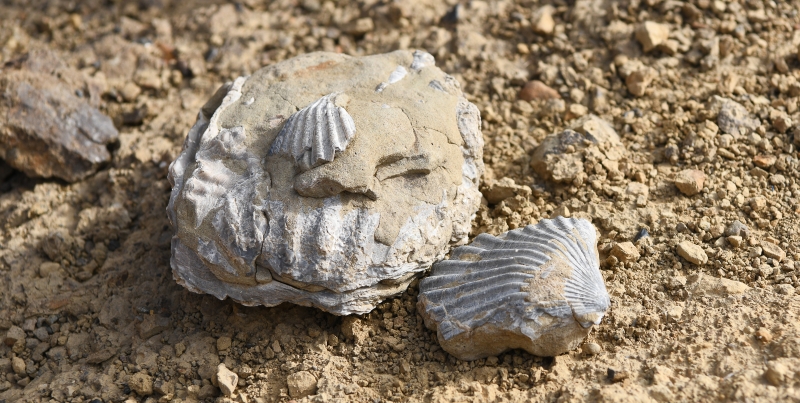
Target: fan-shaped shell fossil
(537,288)
(302,183)
(315,133)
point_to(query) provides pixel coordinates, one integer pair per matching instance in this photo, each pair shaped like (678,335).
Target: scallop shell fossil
(314,134)
(537,288)
(302,183)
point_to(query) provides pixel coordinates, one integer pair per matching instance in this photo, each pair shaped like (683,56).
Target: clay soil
(85,272)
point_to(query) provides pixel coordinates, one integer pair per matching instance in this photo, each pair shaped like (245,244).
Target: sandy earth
(85,269)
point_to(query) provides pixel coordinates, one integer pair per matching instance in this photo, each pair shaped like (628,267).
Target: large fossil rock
(325,180)
(538,288)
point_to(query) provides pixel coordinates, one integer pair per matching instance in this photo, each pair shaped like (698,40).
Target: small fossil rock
(537,288)
(325,180)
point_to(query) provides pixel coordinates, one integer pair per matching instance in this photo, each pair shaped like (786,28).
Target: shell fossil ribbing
(314,134)
(538,288)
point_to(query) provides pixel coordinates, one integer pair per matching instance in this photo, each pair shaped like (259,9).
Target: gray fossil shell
(277,198)
(538,288)
(315,133)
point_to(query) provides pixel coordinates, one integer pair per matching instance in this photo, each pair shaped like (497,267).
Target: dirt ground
(85,266)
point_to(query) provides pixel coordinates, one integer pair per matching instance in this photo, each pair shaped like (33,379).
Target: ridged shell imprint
(314,134)
(325,180)
(538,288)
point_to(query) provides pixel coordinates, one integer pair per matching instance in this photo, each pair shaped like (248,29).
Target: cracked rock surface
(256,223)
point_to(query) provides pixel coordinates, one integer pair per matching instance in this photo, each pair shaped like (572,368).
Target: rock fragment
(559,157)
(152,325)
(737,228)
(226,379)
(537,90)
(14,335)
(701,284)
(47,130)
(542,20)
(141,383)
(692,253)
(690,181)
(18,366)
(223,343)
(301,384)
(638,80)
(734,119)
(499,190)
(777,373)
(625,252)
(652,34)
(592,349)
(771,250)
(764,161)
(782,123)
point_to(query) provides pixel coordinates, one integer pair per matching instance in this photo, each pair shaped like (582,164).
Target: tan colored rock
(360,26)
(782,123)
(130,91)
(226,380)
(758,203)
(638,81)
(625,252)
(223,343)
(702,284)
(777,373)
(651,34)
(558,157)
(537,90)
(765,161)
(18,366)
(542,20)
(301,384)
(769,249)
(499,190)
(692,253)
(690,181)
(141,383)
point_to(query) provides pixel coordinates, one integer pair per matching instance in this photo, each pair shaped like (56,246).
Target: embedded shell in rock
(325,180)
(538,288)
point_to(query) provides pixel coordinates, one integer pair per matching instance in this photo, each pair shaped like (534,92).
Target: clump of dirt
(698,211)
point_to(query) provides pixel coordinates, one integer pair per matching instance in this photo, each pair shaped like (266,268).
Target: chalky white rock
(538,288)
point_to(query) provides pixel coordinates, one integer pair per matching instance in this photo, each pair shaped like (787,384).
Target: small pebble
(692,253)
(591,349)
(690,181)
(763,335)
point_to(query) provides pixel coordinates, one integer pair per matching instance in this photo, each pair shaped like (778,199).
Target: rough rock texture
(301,384)
(733,117)
(348,226)
(560,156)
(690,181)
(538,288)
(49,128)
(226,380)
